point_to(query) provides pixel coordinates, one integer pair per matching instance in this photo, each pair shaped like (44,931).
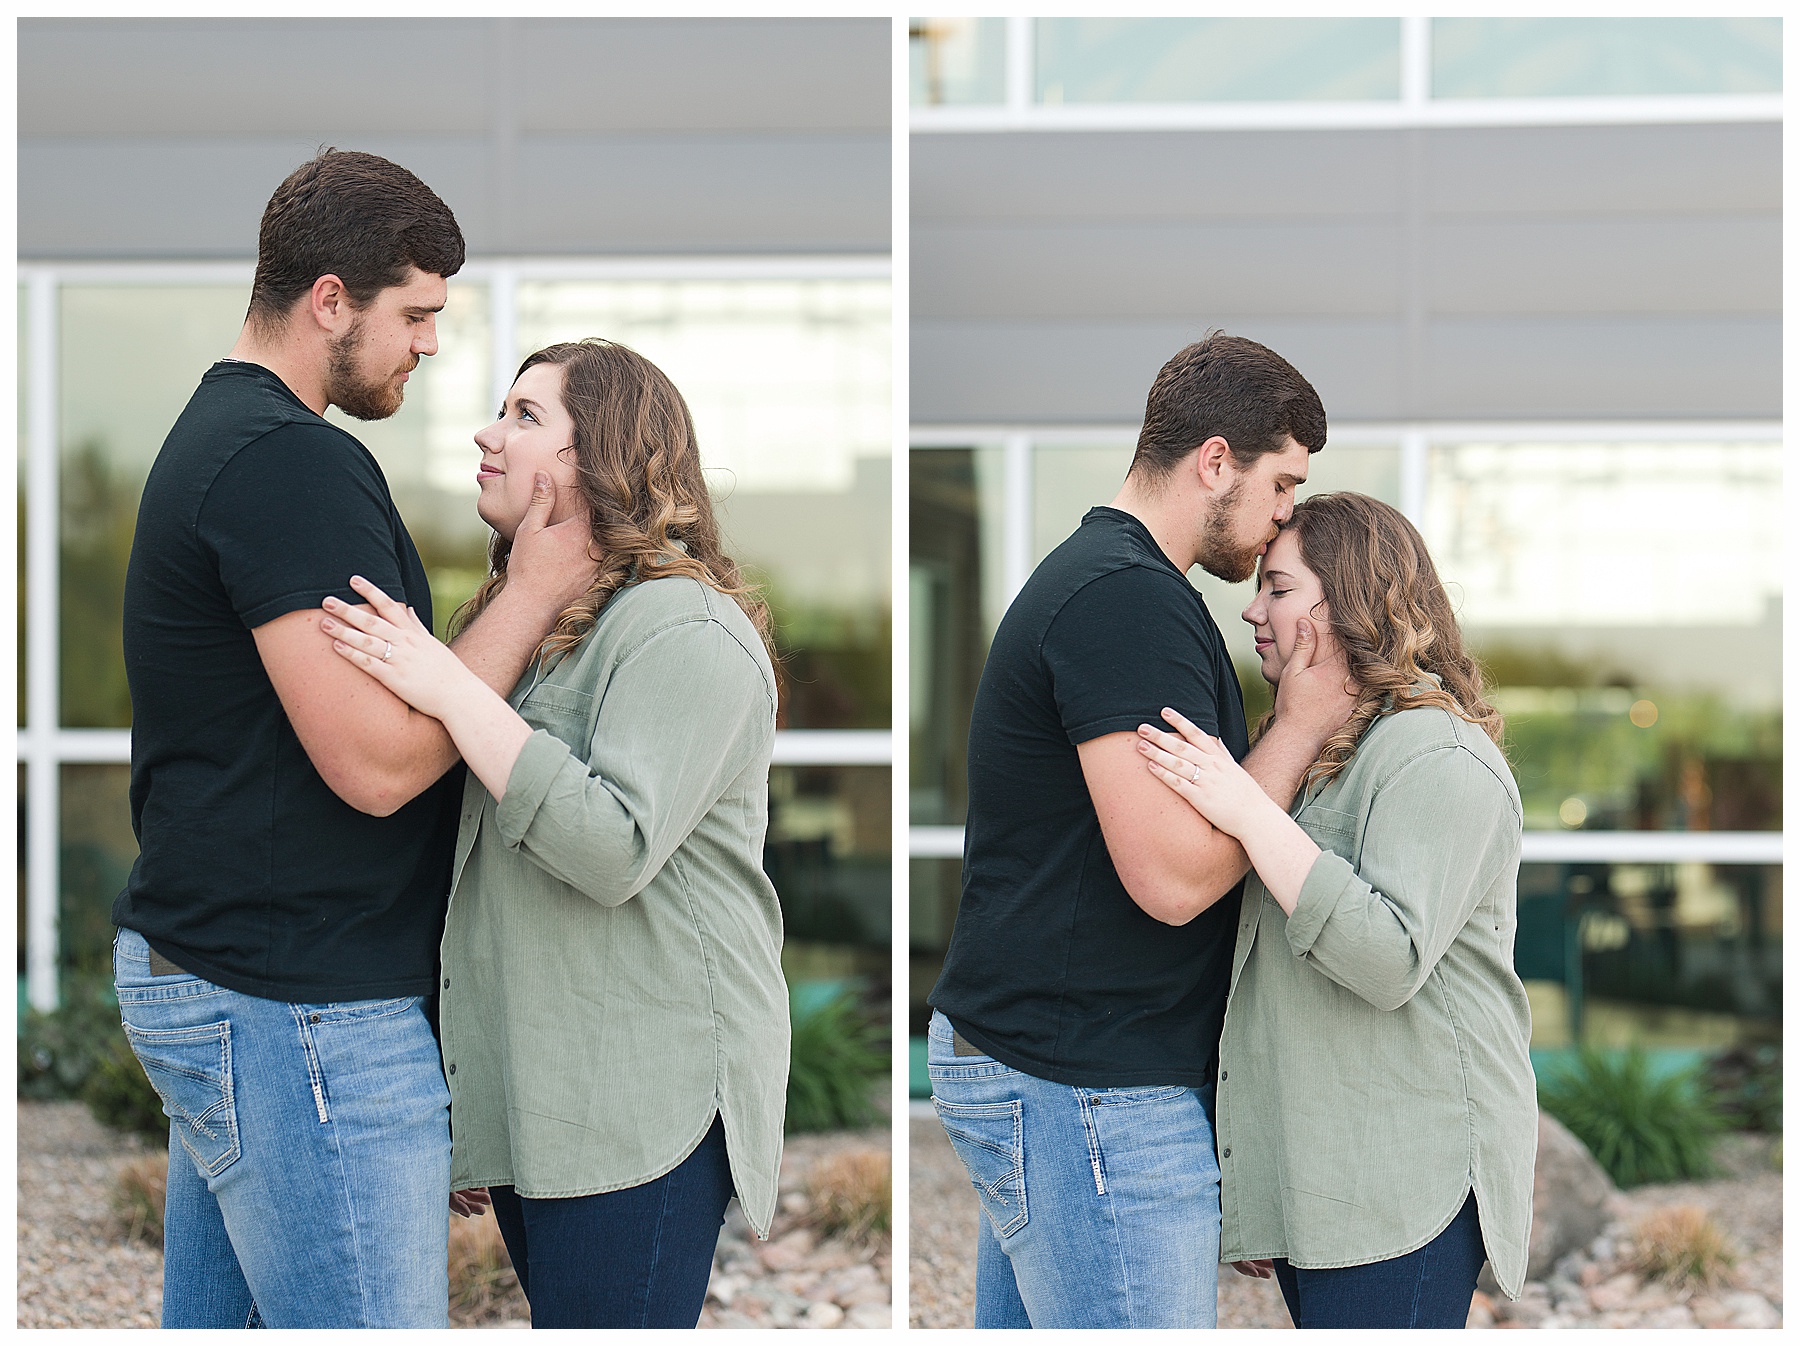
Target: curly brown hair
(638,474)
(1390,614)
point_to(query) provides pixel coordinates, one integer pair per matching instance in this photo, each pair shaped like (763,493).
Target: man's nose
(426,342)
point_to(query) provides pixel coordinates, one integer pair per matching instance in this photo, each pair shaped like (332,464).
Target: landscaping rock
(1569,1193)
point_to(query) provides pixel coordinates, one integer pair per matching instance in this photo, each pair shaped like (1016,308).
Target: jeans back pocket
(190,1069)
(989,1138)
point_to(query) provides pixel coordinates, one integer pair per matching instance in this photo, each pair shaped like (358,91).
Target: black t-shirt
(251,873)
(1052,968)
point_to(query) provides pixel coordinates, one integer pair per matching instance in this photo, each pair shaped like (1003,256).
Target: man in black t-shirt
(279,931)
(1078,1014)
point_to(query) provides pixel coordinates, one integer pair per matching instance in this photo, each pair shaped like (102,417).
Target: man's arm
(376,752)
(1174,863)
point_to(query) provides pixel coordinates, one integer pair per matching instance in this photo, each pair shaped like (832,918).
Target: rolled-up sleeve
(1439,831)
(681,717)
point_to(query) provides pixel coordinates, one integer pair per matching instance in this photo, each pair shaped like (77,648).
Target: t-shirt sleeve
(1128,644)
(293,516)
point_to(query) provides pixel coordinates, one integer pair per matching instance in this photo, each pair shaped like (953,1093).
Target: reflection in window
(827,854)
(788,382)
(957,61)
(1216,60)
(129,358)
(427,449)
(1547,58)
(1676,955)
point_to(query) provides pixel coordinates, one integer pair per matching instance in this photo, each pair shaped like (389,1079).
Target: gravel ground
(77,1268)
(1590,1288)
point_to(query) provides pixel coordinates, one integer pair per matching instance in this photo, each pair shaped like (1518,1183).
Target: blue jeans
(309,1154)
(638,1257)
(1428,1287)
(1100,1206)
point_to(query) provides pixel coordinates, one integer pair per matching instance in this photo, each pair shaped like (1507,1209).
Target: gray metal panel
(1086,372)
(163,138)
(1333,267)
(196,77)
(1586,272)
(1001,372)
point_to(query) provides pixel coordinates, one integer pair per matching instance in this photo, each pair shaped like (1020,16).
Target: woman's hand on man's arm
(391,645)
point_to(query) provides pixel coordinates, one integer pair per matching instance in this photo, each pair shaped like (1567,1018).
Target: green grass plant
(839,1055)
(1642,1127)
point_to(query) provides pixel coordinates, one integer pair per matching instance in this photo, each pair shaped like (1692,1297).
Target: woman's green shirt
(1373,1064)
(612,951)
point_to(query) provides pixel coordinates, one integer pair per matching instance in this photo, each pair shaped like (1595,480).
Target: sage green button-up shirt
(1373,1062)
(612,950)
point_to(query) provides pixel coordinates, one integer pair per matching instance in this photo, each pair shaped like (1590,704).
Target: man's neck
(278,353)
(1169,518)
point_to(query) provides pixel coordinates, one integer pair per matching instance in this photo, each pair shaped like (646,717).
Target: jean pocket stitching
(1002,1195)
(218,1120)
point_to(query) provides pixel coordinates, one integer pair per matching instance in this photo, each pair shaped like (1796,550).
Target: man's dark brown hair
(354,216)
(1231,387)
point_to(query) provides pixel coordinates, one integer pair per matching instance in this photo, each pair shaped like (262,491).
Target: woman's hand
(1202,771)
(392,646)
(1262,1268)
(470,1201)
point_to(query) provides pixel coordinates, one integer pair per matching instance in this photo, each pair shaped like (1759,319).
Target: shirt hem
(1078,1078)
(292,993)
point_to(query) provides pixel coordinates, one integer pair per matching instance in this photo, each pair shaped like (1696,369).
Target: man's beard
(348,390)
(1221,553)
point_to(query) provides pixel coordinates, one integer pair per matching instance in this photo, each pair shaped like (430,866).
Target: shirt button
(453,1071)
(446,983)
(1227,1148)
(1223,1074)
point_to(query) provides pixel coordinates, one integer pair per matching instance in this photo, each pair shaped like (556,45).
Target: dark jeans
(1430,1287)
(640,1257)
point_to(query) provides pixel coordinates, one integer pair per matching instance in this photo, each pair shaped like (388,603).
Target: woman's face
(1286,591)
(534,434)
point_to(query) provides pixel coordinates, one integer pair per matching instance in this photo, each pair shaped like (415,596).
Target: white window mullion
(1016,521)
(42,709)
(503,327)
(1020,68)
(1415,63)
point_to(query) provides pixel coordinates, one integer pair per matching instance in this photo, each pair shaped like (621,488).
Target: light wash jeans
(309,1154)
(1100,1206)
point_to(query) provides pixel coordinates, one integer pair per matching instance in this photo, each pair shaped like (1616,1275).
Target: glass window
(23,384)
(1216,60)
(129,358)
(97,852)
(1600,585)
(957,61)
(1682,955)
(788,382)
(1548,58)
(427,451)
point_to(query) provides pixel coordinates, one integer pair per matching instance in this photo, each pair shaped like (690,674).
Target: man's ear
(329,304)
(1213,465)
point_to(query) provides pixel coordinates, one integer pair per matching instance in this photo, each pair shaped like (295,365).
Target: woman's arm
(1439,831)
(392,646)
(1202,771)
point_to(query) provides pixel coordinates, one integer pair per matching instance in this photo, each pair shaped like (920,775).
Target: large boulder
(1569,1196)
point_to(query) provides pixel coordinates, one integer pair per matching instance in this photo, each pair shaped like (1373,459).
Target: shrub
(1682,1246)
(852,1194)
(138,1196)
(838,1056)
(119,1095)
(58,1050)
(1746,1087)
(1641,1128)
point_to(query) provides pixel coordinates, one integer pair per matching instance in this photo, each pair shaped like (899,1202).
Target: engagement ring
(389,650)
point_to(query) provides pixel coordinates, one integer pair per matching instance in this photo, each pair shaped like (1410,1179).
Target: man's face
(1245,517)
(369,362)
